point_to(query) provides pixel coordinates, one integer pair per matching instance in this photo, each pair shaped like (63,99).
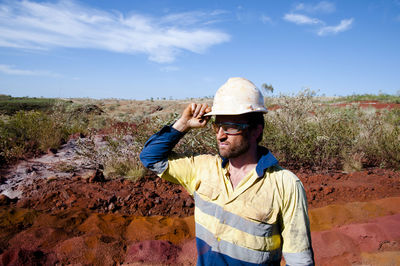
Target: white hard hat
(238,96)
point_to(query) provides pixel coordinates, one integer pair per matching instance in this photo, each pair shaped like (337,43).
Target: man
(248,210)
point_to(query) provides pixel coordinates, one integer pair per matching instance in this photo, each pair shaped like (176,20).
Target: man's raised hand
(193,117)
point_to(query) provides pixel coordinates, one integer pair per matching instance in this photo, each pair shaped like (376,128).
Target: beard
(234,150)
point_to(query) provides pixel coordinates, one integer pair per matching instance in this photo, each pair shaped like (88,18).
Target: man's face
(232,146)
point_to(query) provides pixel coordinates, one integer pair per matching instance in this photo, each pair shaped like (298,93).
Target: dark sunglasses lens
(228,128)
(231,129)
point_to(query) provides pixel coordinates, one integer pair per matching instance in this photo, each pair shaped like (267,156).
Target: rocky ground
(53,214)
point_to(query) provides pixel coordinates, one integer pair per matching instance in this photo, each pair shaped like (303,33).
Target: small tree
(267,87)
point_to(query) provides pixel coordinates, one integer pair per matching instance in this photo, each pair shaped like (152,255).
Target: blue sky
(181,49)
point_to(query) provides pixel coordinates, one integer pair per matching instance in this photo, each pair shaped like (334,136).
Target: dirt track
(78,217)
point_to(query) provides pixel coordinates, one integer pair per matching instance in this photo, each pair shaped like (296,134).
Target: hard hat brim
(264,110)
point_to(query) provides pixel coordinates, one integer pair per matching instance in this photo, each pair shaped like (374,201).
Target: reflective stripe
(234,220)
(234,251)
(233,235)
(301,258)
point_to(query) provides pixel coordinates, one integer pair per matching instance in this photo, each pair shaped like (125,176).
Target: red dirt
(154,196)
(80,218)
(148,196)
(340,187)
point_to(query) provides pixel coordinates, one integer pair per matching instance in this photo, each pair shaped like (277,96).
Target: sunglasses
(229,127)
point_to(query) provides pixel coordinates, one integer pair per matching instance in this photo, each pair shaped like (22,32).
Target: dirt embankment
(78,217)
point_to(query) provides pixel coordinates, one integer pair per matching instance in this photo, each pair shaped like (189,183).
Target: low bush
(304,133)
(28,133)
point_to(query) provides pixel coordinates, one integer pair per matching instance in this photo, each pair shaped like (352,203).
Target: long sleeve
(296,236)
(157,156)
(154,155)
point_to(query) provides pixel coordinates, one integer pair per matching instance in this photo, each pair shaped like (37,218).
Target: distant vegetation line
(387,98)
(10,105)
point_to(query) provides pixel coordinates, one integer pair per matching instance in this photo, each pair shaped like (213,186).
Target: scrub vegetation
(301,130)
(304,132)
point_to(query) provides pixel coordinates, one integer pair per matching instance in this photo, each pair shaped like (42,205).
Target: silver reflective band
(234,220)
(235,251)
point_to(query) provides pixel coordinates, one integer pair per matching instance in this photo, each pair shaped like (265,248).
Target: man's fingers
(194,115)
(202,110)
(195,110)
(192,108)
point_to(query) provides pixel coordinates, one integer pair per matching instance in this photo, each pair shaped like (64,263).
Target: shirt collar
(267,159)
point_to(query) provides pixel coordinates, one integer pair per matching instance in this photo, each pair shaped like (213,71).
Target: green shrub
(28,133)
(380,140)
(304,133)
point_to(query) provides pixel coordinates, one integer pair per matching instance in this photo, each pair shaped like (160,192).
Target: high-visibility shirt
(264,217)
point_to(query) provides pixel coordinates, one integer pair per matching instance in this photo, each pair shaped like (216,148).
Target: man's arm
(154,155)
(296,236)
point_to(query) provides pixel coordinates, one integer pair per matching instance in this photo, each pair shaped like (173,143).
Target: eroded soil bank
(78,217)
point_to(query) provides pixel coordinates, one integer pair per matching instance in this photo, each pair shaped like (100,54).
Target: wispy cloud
(169,69)
(344,25)
(11,70)
(198,18)
(323,6)
(319,26)
(265,19)
(301,19)
(44,25)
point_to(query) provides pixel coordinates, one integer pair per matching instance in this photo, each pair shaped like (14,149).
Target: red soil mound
(73,220)
(148,196)
(154,196)
(344,245)
(340,187)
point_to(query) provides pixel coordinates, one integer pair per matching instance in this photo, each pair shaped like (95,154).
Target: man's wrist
(181,126)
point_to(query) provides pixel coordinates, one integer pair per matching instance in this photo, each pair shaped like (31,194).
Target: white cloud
(11,70)
(67,24)
(266,19)
(301,19)
(344,25)
(322,30)
(193,18)
(323,6)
